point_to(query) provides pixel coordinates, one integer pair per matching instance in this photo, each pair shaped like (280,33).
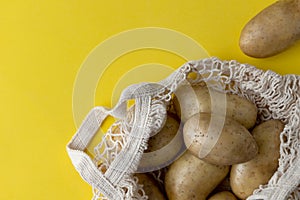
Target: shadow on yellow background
(44,43)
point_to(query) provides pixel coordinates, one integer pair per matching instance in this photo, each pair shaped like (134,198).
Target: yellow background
(43,44)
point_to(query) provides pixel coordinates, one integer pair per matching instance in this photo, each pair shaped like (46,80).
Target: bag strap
(127,160)
(82,162)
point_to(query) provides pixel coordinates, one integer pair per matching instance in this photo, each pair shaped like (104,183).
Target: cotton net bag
(120,153)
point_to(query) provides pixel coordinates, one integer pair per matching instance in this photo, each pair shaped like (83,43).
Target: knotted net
(118,155)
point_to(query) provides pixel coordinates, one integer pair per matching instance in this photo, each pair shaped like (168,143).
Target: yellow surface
(44,43)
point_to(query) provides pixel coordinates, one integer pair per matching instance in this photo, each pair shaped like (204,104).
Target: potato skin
(241,110)
(192,100)
(150,187)
(190,178)
(164,147)
(225,195)
(246,177)
(234,145)
(165,135)
(272,30)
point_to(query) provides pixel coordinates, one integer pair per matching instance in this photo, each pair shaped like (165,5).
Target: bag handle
(82,162)
(106,182)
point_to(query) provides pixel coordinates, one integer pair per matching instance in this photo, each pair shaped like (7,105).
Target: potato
(218,140)
(165,136)
(164,147)
(192,100)
(225,195)
(190,178)
(150,187)
(272,30)
(246,177)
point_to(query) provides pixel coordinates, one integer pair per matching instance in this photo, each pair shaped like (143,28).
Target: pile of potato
(238,158)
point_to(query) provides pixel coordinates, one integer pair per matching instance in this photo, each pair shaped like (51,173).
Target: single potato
(218,140)
(192,100)
(272,30)
(150,187)
(246,177)
(225,195)
(163,147)
(190,178)
(165,135)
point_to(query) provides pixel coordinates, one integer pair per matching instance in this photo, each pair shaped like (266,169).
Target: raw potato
(272,30)
(150,187)
(190,178)
(246,177)
(223,196)
(164,147)
(165,136)
(192,100)
(234,144)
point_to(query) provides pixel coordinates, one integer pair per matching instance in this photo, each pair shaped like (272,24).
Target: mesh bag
(119,154)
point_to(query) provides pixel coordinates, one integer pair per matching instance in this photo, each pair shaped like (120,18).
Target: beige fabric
(111,172)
